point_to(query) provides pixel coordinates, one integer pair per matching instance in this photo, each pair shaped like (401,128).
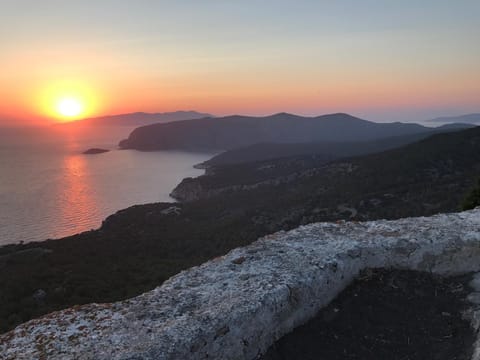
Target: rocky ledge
(236,306)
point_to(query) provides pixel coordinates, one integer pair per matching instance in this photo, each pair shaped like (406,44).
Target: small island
(94,151)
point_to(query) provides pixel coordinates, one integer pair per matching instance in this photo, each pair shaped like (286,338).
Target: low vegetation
(140,247)
(330,150)
(473,198)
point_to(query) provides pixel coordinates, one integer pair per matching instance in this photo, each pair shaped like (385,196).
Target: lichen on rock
(236,306)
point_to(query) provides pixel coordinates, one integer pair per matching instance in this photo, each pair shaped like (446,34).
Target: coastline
(138,248)
(137,177)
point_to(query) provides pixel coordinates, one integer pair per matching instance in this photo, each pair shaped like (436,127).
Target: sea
(49,189)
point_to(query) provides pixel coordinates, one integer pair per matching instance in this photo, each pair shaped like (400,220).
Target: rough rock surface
(235,306)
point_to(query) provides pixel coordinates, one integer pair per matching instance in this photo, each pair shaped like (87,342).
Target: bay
(49,189)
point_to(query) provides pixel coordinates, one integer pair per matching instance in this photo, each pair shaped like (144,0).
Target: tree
(473,198)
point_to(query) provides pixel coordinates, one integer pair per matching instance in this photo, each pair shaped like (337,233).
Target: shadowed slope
(138,248)
(331,150)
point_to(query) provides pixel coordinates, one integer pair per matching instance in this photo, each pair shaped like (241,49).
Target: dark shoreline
(138,248)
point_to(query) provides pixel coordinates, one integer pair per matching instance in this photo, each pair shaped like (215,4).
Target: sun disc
(69,107)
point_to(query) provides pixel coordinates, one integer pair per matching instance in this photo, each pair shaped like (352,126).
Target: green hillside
(140,247)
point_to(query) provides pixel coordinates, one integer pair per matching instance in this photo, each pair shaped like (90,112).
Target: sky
(384,60)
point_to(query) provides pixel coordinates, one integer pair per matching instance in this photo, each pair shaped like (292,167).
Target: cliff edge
(237,305)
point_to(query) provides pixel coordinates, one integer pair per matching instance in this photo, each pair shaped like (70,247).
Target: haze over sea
(49,189)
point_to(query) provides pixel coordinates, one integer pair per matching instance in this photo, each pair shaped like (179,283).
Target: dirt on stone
(386,314)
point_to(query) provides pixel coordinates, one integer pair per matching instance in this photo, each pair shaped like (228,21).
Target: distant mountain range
(232,132)
(140,118)
(463,119)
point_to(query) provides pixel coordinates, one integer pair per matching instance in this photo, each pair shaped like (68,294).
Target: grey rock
(475,283)
(237,305)
(474,298)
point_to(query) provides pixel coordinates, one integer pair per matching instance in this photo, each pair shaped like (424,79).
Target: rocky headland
(94,151)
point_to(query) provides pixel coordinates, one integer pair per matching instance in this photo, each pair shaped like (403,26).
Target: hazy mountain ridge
(237,131)
(465,119)
(139,118)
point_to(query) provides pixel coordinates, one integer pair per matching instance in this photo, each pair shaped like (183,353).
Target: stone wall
(236,306)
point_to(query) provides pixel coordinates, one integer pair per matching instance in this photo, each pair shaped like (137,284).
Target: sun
(68,100)
(70,107)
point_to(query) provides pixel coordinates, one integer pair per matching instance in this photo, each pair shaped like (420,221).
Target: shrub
(473,198)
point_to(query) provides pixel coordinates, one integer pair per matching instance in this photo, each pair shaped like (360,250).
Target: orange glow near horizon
(407,61)
(66,101)
(105,87)
(51,100)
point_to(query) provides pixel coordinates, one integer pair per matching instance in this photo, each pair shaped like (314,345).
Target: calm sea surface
(48,189)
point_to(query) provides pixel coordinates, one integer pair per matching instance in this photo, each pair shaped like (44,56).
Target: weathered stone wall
(235,306)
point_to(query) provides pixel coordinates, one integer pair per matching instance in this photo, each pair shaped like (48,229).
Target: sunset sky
(380,59)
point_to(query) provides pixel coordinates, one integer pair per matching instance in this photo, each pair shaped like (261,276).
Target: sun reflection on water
(78,198)
(52,190)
